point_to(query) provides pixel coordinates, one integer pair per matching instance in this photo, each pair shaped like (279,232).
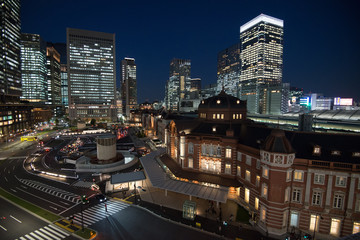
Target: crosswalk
(98,212)
(51,190)
(49,232)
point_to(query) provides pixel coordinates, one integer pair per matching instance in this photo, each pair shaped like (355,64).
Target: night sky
(321,38)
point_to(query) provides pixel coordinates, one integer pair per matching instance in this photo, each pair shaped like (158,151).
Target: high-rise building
(64,85)
(91,74)
(14,116)
(10,71)
(128,85)
(179,83)
(33,68)
(54,76)
(228,70)
(261,57)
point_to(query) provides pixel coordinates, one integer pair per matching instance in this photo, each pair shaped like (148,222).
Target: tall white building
(91,74)
(261,59)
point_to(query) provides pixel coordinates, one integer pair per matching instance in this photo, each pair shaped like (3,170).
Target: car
(101,198)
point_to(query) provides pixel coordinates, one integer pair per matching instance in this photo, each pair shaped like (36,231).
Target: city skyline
(159,32)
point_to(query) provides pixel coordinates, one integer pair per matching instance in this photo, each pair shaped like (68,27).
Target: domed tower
(222,107)
(277,157)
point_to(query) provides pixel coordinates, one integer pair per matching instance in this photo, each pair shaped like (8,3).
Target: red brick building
(288,181)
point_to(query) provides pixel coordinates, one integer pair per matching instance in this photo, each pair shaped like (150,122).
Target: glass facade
(64,86)
(228,70)
(179,83)
(54,76)
(128,85)
(261,58)
(33,67)
(91,73)
(10,71)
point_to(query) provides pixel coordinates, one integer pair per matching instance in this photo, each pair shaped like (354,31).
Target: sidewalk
(170,207)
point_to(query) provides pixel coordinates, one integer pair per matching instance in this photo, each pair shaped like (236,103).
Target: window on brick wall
(228,153)
(296,195)
(338,200)
(319,178)
(316,198)
(238,171)
(247,175)
(340,181)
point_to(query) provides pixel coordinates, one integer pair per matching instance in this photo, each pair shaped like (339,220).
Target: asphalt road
(133,223)
(15,223)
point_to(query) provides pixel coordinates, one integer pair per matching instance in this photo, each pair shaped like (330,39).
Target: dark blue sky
(321,38)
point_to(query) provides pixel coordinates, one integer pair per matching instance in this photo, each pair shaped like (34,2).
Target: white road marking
(59,230)
(53,208)
(15,219)
(49,234)
(13,190)
(64,202)
(29,237)
(23,186)
(6,179)
(36,236)
(8,171)
(3,228)
(22,238)
(54,232)
(14,167)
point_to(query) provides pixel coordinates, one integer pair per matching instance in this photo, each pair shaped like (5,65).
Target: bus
(28,138)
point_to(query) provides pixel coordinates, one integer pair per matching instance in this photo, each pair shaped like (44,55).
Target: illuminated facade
(228,70)
(64,86)
(179,83)
(289,181)
(33,68)
(261,57)
(128,85)
(54,76)
(91,74)
(10,71)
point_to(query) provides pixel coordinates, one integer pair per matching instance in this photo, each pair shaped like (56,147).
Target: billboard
(338,101)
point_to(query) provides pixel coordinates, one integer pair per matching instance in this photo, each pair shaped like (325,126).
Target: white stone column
(308,188)
(166,136)
(329,191)
(351,193)
(182,150)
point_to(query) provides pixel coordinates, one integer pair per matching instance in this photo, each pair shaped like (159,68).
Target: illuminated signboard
(343,101)
(305,101)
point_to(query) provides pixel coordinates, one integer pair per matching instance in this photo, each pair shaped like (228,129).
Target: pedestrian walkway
(49,232)
(82,184)
(51,190)
(99,212)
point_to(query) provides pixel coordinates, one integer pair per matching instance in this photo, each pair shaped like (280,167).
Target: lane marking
(13,190)
(3,228)
(8,171)
(29,237)
(14,167)
(23,186)
(36,236)
(64,203)
(6,179)
(47,234)
(15,219)
(53,208)
(59,230)
(68,208)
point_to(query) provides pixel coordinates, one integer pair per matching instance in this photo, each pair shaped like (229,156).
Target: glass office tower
(228,70)
(64,86)
(91,74)
(261,58)
(128,85)
(179,83)
(33,67)
(54,76)
(10,71)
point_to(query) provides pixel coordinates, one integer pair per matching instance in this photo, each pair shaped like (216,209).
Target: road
(17,223)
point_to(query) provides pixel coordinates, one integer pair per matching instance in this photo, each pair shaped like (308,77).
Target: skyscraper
(179,83)
(91,74)
(128,85)
(10,71)
(54,76)
(64,85)
(261,58)
(228,70)
(33,68)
